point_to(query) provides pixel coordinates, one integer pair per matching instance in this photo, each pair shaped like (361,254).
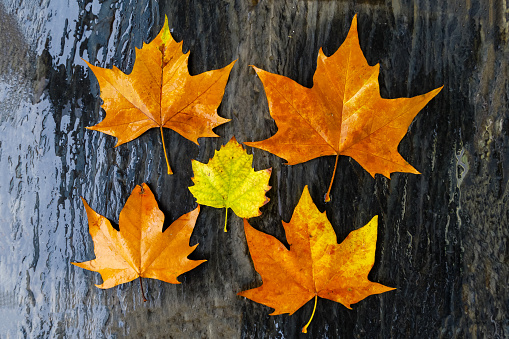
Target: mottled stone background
(443,235)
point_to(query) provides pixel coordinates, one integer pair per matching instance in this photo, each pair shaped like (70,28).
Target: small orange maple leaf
(140,249)
(160,92)
(315,266)
(342,114)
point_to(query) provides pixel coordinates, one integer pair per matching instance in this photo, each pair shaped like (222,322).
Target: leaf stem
(164,149)
(327,196)
(142,293)
(305,328)
(225,219)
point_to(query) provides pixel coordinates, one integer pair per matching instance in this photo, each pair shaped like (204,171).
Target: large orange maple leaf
(160,92)
(140,249)
(316,265)
(342,114)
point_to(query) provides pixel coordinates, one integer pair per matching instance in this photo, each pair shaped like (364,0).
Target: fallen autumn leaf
(342,114)
(315,265)
(140,249)
(160,92)
(230,181)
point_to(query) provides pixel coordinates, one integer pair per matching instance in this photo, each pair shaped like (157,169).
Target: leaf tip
(434,92)
(354,21)
(321,55)
(143,187)
(166,31)
(372,226)
(230,65)
(353,32)
(306,190)
(257,70)
(88,63)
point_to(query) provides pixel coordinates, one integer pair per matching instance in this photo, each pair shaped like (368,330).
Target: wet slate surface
(443,235)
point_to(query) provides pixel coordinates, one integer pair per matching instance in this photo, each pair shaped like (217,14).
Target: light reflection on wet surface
(53,161)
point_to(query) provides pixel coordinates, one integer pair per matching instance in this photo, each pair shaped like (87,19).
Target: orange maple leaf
(315,266)
(342,114)
(140,249)
(160,92)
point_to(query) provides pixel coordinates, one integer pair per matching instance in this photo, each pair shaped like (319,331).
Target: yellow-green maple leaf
(229,181)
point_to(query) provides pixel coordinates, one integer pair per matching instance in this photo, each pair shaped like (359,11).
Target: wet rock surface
(443,235)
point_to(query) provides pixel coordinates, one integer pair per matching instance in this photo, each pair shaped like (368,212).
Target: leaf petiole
(225,219)
(327,196)
(142,293)
(305,328)
(164,149)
